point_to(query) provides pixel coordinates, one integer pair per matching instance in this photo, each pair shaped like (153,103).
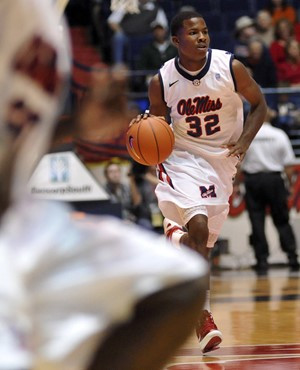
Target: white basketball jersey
(206,110)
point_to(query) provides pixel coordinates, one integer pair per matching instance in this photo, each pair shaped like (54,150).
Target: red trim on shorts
(159,167)
(162,171)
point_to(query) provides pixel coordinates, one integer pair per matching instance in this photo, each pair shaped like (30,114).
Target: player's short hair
(179,18)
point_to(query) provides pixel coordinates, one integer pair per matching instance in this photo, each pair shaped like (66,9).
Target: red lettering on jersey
(200,104)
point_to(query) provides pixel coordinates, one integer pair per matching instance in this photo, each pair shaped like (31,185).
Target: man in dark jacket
(157,52)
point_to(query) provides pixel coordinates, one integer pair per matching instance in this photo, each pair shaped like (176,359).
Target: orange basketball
(150,141)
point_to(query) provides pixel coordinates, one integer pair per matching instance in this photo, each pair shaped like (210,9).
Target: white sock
(176,236)
(207,301)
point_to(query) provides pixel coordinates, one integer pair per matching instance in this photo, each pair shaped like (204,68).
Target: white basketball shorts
(191,185)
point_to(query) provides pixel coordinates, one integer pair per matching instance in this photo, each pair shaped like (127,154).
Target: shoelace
(208,323)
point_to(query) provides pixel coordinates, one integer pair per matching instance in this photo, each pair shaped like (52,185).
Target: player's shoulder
(222,61)
(168,64)
(222,58)
(222,53)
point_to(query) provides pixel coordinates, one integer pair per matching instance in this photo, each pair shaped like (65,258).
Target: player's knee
(212,238)
(198,233)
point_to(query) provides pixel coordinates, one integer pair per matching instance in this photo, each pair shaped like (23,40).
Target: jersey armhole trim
(162,87)
(232,73)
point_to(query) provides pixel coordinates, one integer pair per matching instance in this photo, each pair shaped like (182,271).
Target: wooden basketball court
(260,321)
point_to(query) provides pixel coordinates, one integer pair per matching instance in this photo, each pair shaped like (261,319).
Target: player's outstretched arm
(250,90)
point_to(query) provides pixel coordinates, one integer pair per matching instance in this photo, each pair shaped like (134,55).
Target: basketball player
(201,90)
(74,295)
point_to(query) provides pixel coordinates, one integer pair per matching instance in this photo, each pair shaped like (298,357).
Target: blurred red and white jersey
(34,67)
(63,283)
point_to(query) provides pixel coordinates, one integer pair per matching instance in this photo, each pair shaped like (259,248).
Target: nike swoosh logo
(173,83)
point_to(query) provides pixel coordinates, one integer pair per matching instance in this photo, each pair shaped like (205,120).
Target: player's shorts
(190,185)
(216,215)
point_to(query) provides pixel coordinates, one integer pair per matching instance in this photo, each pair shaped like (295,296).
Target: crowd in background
(266,41)
(264,36)
(269,46)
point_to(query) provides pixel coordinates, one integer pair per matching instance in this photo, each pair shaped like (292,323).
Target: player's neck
(192,68)
(192,65)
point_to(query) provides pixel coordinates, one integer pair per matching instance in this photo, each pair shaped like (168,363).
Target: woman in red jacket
(289,71)
(284,31)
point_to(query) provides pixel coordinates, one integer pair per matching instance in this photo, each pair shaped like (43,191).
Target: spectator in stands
(284,31)
(78,13)
(147,212)
(260,63)
(244,31)
(288,113)
(281,9)
(264,27)
(157,52)
(289,70)
(124,25)
(121,192)
(98,26)
(187,8)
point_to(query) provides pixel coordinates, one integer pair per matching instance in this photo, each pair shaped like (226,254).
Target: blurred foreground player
(74,295)
(201,91)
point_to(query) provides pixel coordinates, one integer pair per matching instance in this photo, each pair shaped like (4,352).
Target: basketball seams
(138,142)
(169,134)
(157,146)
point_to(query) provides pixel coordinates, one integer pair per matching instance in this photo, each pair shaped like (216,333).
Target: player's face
(192,40)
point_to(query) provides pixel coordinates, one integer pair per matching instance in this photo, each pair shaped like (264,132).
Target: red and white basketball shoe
(173,231)
(207,332)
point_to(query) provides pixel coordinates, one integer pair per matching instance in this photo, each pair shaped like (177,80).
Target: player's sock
(173,231)
(207,301)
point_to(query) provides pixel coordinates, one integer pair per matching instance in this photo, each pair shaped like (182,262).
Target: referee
(269,156)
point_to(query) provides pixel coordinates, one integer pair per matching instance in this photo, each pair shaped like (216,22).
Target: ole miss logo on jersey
(198,105)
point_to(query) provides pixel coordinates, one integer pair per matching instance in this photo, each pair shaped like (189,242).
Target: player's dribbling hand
(141,116)
(144,115)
